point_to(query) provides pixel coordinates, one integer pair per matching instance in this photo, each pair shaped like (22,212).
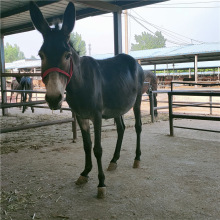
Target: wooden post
(3,79)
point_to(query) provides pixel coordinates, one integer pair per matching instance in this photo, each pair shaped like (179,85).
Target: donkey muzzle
(54,102)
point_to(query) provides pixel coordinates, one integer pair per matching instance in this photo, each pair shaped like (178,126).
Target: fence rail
(197,117)
(5,105)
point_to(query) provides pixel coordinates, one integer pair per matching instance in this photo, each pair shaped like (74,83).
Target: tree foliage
(78,44)
(13,53)
(149,41)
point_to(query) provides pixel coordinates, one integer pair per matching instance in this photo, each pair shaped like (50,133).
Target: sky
(181,22)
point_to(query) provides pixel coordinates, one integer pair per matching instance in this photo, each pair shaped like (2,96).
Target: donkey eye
(67,56)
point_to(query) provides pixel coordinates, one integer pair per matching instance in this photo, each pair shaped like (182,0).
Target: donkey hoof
(112,166)
(136,164)
(82,180)
(101,192)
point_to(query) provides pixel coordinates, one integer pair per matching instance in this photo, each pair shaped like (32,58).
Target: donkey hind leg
(155,105)
(11,96)
(85,129)
(29,100)
(120,130)
(138,128)
(98,154)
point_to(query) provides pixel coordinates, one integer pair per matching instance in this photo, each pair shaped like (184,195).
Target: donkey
(151,84)
(22,83)
(95,89)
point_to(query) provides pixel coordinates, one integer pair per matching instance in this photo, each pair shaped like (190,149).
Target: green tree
(148,41)
(13,53)
(78,44)
(33,57)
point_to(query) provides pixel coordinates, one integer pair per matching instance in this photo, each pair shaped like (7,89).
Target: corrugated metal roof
(19,64)
(180,54)
(15,17)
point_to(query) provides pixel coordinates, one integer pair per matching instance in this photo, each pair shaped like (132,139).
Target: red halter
(56,69)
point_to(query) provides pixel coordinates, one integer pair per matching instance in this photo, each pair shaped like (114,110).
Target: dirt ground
(179,176)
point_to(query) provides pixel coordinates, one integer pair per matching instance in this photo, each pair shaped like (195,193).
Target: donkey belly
(118,106)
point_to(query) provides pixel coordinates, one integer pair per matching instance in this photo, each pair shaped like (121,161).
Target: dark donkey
(95,89)
(22,83)
(151,84)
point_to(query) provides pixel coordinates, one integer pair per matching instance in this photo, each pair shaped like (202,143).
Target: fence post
(170,96)
(151,97)
(210,100)
(3,79)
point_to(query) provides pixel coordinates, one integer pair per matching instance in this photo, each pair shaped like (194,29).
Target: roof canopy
(170,55)
(180,54)
(15,17)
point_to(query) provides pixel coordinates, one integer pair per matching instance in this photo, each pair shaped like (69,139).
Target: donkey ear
(38,20)
(69,19)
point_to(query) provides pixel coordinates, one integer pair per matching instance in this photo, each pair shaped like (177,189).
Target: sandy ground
(179,176)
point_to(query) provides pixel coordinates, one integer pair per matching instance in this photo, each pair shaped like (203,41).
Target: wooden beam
(100,5)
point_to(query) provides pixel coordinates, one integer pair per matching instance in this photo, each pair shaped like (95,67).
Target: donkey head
(55,53)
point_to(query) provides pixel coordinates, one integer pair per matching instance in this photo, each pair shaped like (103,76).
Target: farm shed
(175,182)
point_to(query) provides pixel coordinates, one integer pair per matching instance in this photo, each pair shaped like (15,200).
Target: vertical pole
(155,68)
(126,31)
(189,72)
(117,33)
(3,79)
(90,49)
(196,68)
(170,96)
(218,73)
(151,97)
(210,100)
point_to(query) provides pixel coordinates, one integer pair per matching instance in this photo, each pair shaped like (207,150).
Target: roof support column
(117,33)
(155,68)
(218,73)
(3,79)
(196,68)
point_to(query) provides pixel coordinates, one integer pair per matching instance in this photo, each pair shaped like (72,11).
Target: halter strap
(56,69)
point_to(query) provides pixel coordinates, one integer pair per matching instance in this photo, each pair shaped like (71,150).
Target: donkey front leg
(85,129)
(98,154)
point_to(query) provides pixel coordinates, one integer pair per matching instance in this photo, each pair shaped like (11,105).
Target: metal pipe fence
(186,116)
(209,104)
(5,105)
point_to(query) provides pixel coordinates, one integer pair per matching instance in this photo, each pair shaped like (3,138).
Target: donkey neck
(76,80)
